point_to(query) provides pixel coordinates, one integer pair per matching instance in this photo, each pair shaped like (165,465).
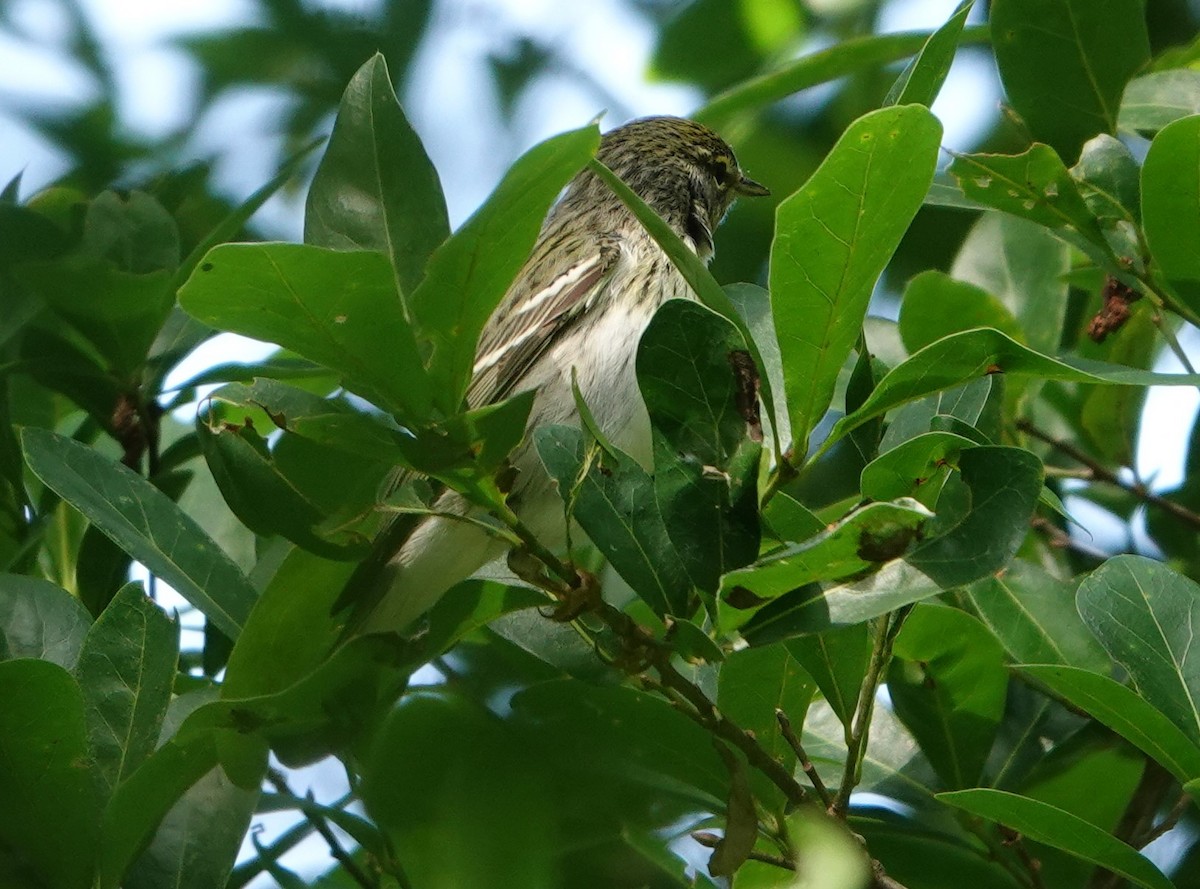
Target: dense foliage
(845,634)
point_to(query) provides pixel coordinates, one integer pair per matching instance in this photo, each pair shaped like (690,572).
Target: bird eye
(723,170)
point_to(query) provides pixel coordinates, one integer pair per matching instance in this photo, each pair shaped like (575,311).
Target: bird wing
(535,313)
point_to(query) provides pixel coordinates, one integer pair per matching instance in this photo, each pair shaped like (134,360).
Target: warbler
(579,305)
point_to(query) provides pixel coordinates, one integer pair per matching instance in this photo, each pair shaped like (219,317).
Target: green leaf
(922,79)
(126,670)
(118,311)
(1065,63)
(1142,612)
(1125,712)
(290,632)
(614,503)
(469,274)
(1035,185)
(847,57)
(877,532)
(1108,176)
(145,523)
(1003,485)
(754,683)
(1171,206)
(948,685)
(700,388)
(837,662)
(834,237)
(1154,100)
(935,305)
(1048,824)
(41,620)
(473,810)
(197,841)
(474,604)
(50,816)
(256,483)
(339,309)
(974,353)
(1111,415)
(625,737)
(898,472)
(753,304)
(375,188)
(1033,615)
(1024,266)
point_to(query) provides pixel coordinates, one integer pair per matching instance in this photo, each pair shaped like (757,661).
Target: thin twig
(814,777)
(1100,473)
(711,840)
(886,629)
(1167,824)
(321,826)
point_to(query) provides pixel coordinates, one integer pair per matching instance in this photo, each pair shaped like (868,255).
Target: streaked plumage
(582,300)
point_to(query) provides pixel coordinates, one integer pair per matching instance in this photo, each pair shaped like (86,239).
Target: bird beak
(750,188)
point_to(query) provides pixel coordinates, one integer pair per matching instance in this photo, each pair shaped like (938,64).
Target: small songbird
(582,300)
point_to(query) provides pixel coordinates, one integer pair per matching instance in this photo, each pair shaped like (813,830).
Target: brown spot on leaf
(886,544)
(741,598)
(745,376)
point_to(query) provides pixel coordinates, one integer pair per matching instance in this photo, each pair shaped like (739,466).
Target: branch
(886,629)
(1100,473)
(321,826)
(814,777)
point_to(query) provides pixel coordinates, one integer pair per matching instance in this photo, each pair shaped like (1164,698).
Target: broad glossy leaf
(474,604)
(1108,178)
(1065,63)
(126,670)
(1125,712)
(753,304)
(964,404)
(145,523)
(1171,206)
(468,275)
(947,684)
(1035,185)
(337,308)
(700,388)
(473,810)
(1048,824)
(50,816)
(877,532)
(975,353)
(625,736)
(833,239)
(755,682)
(195,844)
(1024,266)
(845,58)
(118,311)
(375,188)
(269,499)
(922,79)
(1154,100)
(1003,485)
(290,631)
(896,473)
(41,620)
(1143,613)
(837,662)
(614,502)
(1033,615)
(935,305)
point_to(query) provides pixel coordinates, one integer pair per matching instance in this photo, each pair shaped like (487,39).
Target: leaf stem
(886,630)
(814,777)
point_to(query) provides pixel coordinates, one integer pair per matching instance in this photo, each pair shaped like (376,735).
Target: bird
(576,310)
